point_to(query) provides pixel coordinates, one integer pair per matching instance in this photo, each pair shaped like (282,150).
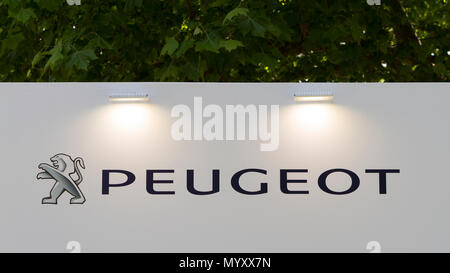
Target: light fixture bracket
(314,94)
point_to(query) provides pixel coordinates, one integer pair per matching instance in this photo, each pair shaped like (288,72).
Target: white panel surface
(368,126)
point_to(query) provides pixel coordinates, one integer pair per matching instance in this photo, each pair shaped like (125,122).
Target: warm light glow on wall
(124,128)
(314,116)
(128,118)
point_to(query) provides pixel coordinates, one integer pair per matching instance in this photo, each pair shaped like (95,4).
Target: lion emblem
(62,171)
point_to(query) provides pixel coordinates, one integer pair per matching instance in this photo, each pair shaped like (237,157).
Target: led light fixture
(314,96)
(129,97)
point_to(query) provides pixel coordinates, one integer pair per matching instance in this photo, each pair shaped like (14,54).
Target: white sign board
(81,172)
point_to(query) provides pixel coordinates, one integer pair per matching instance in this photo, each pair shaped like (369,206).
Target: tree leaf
(230,45)
(37,58)
(24,15)
(50,5)
(81,59)
(258,29)
(12,41)
(55,58)
(234,13)
(218,3)
(191,72)
(208,44)
(197,31)
(171,72)
(170,46)
(13,4)
(99,42)
(131,4)
(185,46)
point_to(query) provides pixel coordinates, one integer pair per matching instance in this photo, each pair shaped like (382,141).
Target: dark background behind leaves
(224,40)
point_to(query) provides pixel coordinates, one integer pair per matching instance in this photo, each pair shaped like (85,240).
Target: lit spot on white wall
(313,116)
(324,131)
(125,129)
(129,117)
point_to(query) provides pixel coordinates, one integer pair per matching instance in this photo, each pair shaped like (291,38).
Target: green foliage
(224,40)
(235,12)
(81,59)
(170,46)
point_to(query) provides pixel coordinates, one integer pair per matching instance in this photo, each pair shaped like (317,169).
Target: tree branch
(191,11)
